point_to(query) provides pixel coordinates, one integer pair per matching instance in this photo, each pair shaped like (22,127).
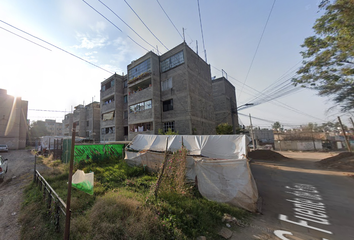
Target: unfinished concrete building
(114,109)
(225,102)
(13,121)
(67,124)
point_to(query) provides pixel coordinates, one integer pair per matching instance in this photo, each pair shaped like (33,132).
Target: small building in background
(13,120)
(55,128)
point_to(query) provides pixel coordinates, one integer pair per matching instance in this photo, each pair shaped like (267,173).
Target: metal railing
(55,205)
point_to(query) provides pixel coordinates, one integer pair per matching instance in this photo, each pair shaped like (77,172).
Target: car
(3,168)
(4,148)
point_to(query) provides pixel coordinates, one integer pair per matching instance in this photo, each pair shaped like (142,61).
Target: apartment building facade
(87,120)
(114,109)
(13,120)
(171,91)
(225,104)
(55,129)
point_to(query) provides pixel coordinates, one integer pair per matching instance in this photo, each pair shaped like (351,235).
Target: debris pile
(343,161)
(266,155)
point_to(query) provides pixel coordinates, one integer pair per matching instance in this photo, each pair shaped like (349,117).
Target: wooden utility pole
(345,135)
(68,200)
(254,146)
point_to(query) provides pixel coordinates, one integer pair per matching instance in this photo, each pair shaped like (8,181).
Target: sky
(255,44)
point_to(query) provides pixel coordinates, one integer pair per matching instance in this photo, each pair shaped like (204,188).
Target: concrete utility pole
(254,146)
(345,135)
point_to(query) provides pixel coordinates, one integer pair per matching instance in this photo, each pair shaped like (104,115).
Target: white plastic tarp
(227,181)
(218,161)
(211,146)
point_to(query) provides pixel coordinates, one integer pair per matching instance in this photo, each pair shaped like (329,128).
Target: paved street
(302,201)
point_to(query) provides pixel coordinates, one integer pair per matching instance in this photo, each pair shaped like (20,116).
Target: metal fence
(56,207)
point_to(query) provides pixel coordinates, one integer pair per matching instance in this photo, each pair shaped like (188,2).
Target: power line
(56,47)
(44,110)
(25,39)
(259,42)
(124,23)
(201,29)
(145,25)
(169,18)
(113,24)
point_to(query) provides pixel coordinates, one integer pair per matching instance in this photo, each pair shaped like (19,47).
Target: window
(168,125)
(172,61)
(125,98)
(107,130)
(140,106)
(112,83)
(167,84)
(107,86)
(87,123)
(108,116)
(125,84)
(125,131)
(140,69)
(125,115)
(168,105)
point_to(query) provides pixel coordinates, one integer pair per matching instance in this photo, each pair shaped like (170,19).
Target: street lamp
(245,105)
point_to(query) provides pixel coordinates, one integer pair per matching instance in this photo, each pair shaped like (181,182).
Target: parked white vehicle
(3,168)
(4,148)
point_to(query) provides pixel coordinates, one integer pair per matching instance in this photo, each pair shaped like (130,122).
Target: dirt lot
(19,174)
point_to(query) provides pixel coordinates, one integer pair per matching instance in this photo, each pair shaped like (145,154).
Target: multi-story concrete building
(87,120)
(53,127)
(67,124)
(171,91)
(225,102)
(13,120)
(114,108)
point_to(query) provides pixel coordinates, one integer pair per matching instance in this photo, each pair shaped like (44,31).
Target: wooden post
(345,135)
(34,173)
(68,200)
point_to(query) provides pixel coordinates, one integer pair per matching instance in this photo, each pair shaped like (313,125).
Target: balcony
(107,92)
(140,91)
(108,107)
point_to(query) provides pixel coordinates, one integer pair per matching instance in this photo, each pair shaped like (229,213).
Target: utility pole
(68,200)
(351,119)
(254,146)
(345,135)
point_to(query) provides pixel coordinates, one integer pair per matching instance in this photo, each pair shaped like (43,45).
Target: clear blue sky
(54,80)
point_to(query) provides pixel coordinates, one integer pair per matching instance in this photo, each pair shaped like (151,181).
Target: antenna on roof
(184,39)
(196,43)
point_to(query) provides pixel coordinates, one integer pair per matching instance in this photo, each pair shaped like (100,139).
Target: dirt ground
(342,161)
(20,173)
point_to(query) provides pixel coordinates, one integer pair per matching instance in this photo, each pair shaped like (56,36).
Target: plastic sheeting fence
(84,152)
(218,161)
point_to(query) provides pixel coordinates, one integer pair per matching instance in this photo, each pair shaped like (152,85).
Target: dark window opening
(168,105)
(168,125)
(125,131)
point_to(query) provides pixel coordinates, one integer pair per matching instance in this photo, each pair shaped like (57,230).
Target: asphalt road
(302,201)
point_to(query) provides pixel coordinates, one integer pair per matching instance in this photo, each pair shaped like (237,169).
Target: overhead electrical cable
(126,24)
(274,101)
(57,47)
(114,25)
(26,39)
(201,29)
(259,42)
(145,25)
(169,18)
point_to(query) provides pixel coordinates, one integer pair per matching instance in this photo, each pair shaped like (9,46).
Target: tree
(169,132)
(37,129)
(224,128)
(328,64)
(276,125)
